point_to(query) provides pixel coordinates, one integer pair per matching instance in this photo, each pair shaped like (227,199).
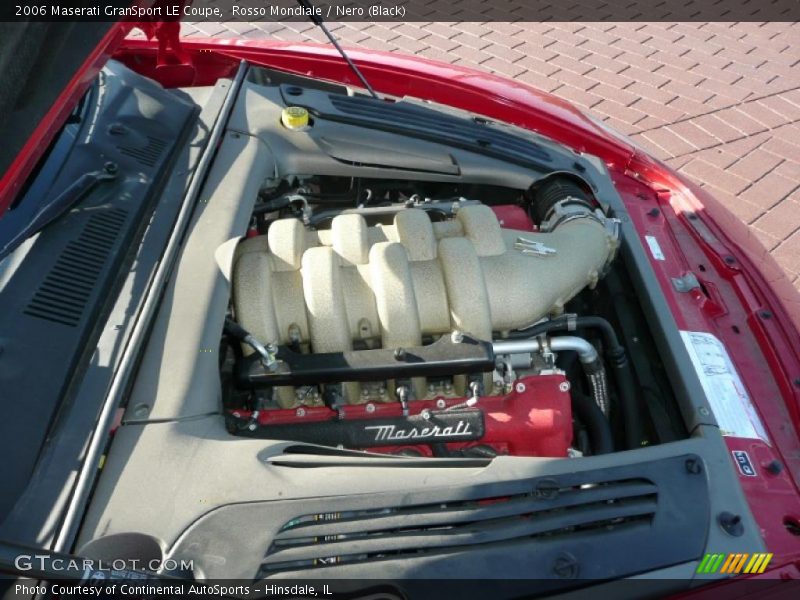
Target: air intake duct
(557,199)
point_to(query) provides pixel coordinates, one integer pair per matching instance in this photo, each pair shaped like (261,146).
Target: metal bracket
(442,358)
(685,283)
(533,248)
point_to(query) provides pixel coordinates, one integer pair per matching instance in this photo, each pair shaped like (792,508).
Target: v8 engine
(418,327)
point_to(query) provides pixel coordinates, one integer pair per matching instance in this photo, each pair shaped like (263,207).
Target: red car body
(745,300)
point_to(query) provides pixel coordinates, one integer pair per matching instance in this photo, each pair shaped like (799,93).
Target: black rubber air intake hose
(617,358)
(597,425)
(553,191)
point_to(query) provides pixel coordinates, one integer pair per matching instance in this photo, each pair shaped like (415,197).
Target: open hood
(452,327)
(44,67)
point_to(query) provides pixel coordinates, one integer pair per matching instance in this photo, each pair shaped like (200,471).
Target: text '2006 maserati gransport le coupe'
(266,317)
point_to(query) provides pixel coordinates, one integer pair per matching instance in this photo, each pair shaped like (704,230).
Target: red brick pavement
(718,101)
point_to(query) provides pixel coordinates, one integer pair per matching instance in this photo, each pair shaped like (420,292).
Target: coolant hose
(598,383)
(571,322)
(238,332)
(617,358)
(597,425)
(623,375)
(271,205)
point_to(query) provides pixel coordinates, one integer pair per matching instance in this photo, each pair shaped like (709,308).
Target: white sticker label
(655,247)
(724,389)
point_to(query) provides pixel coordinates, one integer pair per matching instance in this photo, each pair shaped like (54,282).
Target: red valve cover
(515,217)
(535,419)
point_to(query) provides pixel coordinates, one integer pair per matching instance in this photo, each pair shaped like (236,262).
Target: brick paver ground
(718,101)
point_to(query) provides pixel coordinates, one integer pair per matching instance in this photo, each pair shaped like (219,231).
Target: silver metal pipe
(586,352)
(516,346)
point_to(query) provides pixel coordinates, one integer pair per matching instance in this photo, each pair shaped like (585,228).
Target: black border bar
(403,10)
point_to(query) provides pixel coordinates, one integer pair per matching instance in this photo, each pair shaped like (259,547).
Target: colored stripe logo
(734,564)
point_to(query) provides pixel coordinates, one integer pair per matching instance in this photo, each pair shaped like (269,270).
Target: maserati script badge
(392,433)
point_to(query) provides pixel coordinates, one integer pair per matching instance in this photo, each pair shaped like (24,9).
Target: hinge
(174,65)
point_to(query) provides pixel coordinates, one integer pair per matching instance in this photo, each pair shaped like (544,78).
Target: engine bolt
(301,412)
(564,386)
(566,566)
(731,524)
(369,407)
(546,489)
(693,466)
(440,403)
(520,387)
(399,354)
(457,336)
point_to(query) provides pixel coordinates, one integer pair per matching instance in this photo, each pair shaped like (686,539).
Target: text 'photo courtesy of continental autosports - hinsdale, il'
(277,312)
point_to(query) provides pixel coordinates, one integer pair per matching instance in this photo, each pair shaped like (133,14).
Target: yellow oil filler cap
(295,118)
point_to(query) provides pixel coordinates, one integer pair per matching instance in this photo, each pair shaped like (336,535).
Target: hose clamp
(571,321)
(565,210)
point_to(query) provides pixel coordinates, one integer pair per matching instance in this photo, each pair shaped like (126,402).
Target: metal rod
(352,65)
(89,468)
(317,20)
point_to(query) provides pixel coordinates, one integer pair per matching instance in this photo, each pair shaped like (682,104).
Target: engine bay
(385,321)
(383,316)
(395,298)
